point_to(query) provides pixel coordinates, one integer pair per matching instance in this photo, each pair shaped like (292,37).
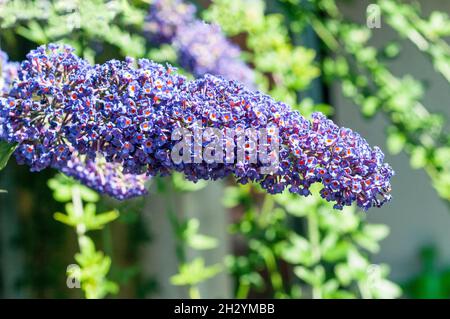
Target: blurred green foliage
(6,150)
(328,254)
(282,68)
(93,264)
(433,282)
(87,25)
(193,273)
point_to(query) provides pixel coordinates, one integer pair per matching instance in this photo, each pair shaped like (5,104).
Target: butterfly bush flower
(202,48)
(105,178)
(125,114)
(44,80)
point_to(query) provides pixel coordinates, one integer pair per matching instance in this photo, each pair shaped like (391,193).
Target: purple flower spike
(165,17)
(105,178)
(202,47)
(38,130)
(8,71)
(128,115)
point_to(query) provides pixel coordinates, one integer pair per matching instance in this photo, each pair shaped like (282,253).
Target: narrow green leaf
(65,219)
(6,151)
(395,142)
(202,242)
(418,157)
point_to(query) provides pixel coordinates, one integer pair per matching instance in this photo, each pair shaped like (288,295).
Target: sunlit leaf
(6,151)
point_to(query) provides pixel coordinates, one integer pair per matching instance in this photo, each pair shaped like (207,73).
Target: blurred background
(380,67)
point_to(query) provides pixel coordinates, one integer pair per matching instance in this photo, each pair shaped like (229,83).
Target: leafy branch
(93,265)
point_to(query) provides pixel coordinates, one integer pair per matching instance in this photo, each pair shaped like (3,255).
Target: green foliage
(195,240)
(186,232)
(6,151)
(332,241)
(62,187)
(193,273)
(272,52)
(182,185)
(89,219)
(433,282)
(426,34)
(93,266)
(83,24)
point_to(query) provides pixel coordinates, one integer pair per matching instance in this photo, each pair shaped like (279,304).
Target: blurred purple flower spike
(202,47)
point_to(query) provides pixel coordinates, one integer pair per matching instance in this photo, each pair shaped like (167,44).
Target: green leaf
(392,50)
(195,240)
(191,228)
(99,221)
(341,294)
(313,277)
(357,263)
(395,141)
(232,197)
(343,273)
(439,24)
(88,195)
(63,194)
(34,32)
(194,272)
(442,156)
(296,208)
(366,242)
(182,184)
(65,219)
(345,222)
(341,66)
(418,157)
(297,251)
(338,252)
(370,106)
(329,242)
(370,235)
(61,185)
(6,151)
(202,242)
(94,267)
(329,288)
(376,231)
(385,289)
(366,54)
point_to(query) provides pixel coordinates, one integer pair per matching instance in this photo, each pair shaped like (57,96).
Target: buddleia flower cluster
(125,113)
(106,178)
(202,48)
(8,71)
